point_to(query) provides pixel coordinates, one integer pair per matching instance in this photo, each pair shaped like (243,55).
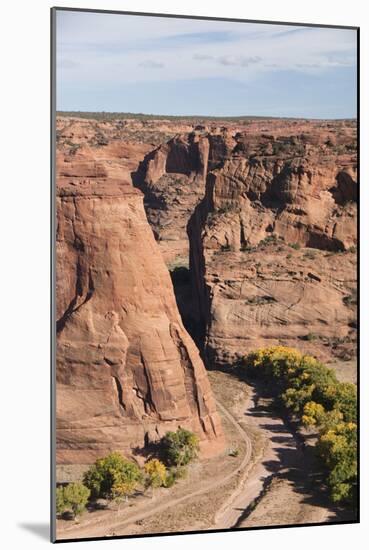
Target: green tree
(72,498)
(112,477)
(173,474)
(180,447)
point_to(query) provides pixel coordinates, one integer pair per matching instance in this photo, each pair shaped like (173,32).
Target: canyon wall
(270,209)
(172,178)
(127,371)
(257,222)
(273,249)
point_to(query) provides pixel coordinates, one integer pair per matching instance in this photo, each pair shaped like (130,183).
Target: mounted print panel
(205,274)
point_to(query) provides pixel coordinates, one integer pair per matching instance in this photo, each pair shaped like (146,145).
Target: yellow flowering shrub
(312,392)
(156,473)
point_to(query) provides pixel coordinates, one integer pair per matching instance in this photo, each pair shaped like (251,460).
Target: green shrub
(246,248)
(112,477)
(270,239)
(173,474)
(234,452)
(170,478)
(180,472)
(180,447)
(72,498)
(310,336)
(225,209)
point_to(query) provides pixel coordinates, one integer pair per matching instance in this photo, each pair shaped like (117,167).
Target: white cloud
(238,60)
(113,49)
(202,57)
(151,64)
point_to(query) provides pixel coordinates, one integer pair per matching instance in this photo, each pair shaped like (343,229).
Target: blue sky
(110,62)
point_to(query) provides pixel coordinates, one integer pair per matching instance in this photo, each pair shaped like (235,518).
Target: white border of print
(25,230)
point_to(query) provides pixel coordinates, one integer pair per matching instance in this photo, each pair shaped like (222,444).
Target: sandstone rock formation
(259,189)
(273,248)
(127,371)
(270,209)
(172,178)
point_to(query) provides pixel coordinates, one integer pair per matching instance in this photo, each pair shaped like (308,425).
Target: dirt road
(118,520)
(275,480)
(278,488)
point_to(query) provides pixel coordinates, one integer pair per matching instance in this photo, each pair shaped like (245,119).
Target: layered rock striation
(273,248)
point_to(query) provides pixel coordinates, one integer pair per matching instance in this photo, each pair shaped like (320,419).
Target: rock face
(263,213)
(172,178)
(273,249)
(256,199)
(127,371)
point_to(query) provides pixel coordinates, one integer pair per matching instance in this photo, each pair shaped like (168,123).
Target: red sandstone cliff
(270,188)
(273,248)
(127,371)
(272,211)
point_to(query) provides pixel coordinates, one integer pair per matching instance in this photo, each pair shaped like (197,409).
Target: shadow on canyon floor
(296,461)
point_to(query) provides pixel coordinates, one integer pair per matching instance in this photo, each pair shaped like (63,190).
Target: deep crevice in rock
(185,298)
(73,307)
(119,389)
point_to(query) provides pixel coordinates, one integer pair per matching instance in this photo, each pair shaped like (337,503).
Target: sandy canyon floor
(271,482)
